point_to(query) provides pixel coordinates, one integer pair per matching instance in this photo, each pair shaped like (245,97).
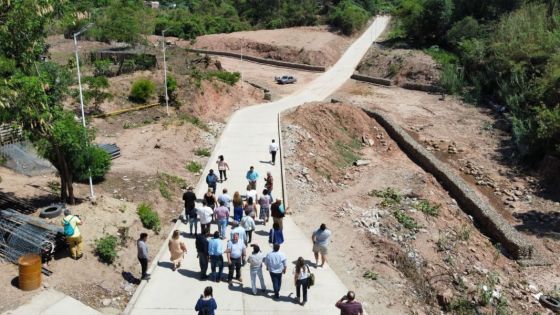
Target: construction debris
(113,150)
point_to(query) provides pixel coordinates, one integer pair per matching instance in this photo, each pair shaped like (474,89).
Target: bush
(193,167)
(390,196)
(149,218)
(105,248)
(202,152)
(428,208)
(404,219)
(142,90)
(348,16)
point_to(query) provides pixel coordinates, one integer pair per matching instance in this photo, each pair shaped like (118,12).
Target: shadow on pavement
(191,274)
(128,277)
(165,264)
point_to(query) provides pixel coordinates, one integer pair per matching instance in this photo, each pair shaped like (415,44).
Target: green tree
(123,21)
(142,90)
(95,92)
(348,16)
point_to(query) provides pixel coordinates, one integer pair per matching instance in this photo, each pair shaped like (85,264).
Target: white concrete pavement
(51,302)
(244,142)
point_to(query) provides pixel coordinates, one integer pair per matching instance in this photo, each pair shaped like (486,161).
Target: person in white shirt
(249,225)
(255,262)
(273,148)
(276,265)
(239,230)
(236,257)
(205,214)
(321,239)
(301,279)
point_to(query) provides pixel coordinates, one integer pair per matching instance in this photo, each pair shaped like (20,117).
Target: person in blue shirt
(206,303)
(216,251)
(275,236)
(252,177)
(212,180)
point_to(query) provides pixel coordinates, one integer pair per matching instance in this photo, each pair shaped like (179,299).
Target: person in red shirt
(351,306)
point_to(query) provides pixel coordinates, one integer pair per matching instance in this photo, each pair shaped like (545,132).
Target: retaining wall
(421,87)
(365,78)
(490,221)
(279,63)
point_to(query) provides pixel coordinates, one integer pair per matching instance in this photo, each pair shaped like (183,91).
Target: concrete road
(244,142)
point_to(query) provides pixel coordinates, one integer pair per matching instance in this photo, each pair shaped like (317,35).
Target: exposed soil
(399,65)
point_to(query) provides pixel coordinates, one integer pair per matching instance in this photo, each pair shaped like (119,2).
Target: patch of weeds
(172,179)
(188,118)
(372,275)
(123,232)
(346,152)
(128,125)
(464,233)
(390,196)
(54,187)
(462,306)
(202,152)
(166,183)
(149,218)
(164,190)
(415,274)
(485,296)
(444,243)
(193,167)
(404,219)
(428,208)
(394,68)
(106,248)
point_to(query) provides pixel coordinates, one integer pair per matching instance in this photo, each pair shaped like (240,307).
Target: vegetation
(227,77)
(390,196)
(188,118)
(168,183)
(202,152)
(372,275)
(105,248)
(193,167)
(428,208)
(503,52)
(148,217)
(406,220)
(346,152)
(142,90)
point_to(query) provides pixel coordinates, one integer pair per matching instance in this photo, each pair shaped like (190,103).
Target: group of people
(241,212)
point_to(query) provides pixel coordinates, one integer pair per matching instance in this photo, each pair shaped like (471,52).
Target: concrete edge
(364,78)
(282,171)
(490,221)
(278,63)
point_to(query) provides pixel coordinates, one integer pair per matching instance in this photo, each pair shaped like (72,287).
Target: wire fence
(22,158)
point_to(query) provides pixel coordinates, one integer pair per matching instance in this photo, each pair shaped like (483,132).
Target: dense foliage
(505,52)
(106,248)
(142,90)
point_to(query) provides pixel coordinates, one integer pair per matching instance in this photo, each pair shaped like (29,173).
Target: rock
(361,162)
(533,288)
(106,302)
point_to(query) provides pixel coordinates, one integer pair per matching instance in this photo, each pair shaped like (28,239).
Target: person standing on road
(248,223)
(226,198)
(216,251)
(251,193)
(255,262)
(201,244)
(206,305)
(189,198)
(275,235)
(278,212)
(236,253)
(301,279)
(351,306)
(321,238)
(72,233)
(222,168)
(237,207)
(177,249)
(210,199)
(250,208)
(276,265)
(264,203)
(222,217)
(143,255)
(269,183)
(239,230)
(272,149)
(212,180)
(252,177)
(205,214)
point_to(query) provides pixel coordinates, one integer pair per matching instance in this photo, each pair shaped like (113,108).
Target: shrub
(202,152)
(428,208)
(348,16)
(149,218)
(193,167)
(390,196)
(105,248)
(102,68)
(404,219)
(142,90)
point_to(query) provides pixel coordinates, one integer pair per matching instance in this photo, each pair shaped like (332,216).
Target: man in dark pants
(276,264)
(202,250)
(212,180)
(143,255)
(216,251)
(189,197)
(273,148)
(236,256)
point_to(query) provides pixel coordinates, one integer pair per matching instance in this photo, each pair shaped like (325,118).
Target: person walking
(205,214)
(72,233)
(275,235)
(252,177)
(238,229)
(255,262)
(269,183)
(301,279)
(251,193)
(201,244)
(210,199)
(348,305)
(222,217)
(236,253)
(206,305)
(321,239)
(237,207)
(226,198)
(248,223)
(264,203)
(250,208)
(222,168)
(216,251)
(276,265)
(212,180)
(193,221)
(143,255)
(189,198)
(278,212)
(272,149)
(177,249)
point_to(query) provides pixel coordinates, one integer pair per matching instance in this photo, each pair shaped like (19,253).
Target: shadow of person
(128,277)
(262,233)
(165,264)
(266,162)
(307,262)
(190,274)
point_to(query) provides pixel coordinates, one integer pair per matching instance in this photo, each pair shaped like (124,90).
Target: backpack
(68,228)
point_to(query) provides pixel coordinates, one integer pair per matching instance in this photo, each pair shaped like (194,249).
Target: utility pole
(165,74)
(81,93)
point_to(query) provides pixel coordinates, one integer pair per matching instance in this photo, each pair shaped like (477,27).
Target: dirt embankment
(400,65)
(408,249)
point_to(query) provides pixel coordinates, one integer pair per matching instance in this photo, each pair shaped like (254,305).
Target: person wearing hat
(70,224)
(212,180)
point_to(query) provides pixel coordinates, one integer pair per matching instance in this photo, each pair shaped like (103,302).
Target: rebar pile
(113,150)
(21,234)
(7,201)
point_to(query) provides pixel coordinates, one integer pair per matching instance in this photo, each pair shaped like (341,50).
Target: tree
(94,92)
(123,21)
